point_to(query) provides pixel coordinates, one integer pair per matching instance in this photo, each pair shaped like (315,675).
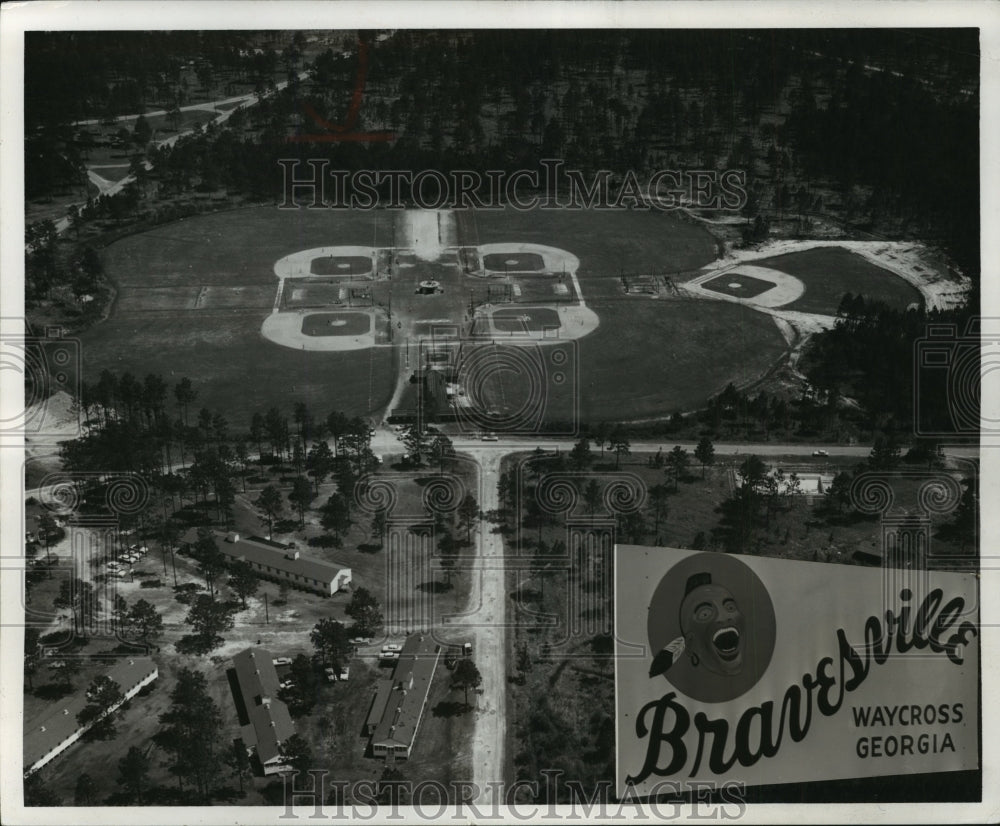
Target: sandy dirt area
(285,328)
(487,613)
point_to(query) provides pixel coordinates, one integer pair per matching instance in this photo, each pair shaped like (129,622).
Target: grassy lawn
(830,272)
(234,369)
(651,357)
(606,242)
(334,729)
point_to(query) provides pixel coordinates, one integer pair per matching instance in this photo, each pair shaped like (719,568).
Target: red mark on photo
(345,131)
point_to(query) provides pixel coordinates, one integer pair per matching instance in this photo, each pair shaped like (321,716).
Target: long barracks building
(398,705)
(283,563)
(55,731)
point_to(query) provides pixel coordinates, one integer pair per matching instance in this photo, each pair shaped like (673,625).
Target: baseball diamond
(272,284)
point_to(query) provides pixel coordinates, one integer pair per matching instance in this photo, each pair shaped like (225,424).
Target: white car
(391,647)
(282,661)
(491,437)
(820,453)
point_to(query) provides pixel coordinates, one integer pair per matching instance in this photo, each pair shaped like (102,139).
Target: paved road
(515,444)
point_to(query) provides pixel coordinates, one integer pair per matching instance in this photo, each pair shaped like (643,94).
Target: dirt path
(489,605)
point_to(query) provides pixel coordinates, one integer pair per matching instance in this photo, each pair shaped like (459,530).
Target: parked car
(282,660)
(491,437)
(820,453)
(392,647)
(361,641)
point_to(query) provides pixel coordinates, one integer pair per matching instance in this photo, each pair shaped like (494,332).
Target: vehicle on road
(820,453)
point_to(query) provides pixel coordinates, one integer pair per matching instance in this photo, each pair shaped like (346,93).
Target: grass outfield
(830,272)
(606,243)
(236,370)
(650,358)
(238,247)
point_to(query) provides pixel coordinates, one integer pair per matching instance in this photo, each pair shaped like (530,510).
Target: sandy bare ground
(299,264)
(787,288)
(575,321)
(54,420)
(487,610)
(285,328)
(427,231)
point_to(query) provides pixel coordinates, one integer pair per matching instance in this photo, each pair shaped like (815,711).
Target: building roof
(383,689)
(59,719)
(281,557)
(269,722)
(411,683)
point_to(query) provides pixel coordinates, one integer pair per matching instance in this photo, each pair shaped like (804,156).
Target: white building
(56,730)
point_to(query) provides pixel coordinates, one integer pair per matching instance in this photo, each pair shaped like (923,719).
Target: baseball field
(193,297)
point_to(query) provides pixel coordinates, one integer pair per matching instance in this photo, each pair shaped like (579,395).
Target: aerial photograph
(494,421)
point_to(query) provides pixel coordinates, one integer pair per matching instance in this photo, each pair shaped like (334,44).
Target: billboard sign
(768,671)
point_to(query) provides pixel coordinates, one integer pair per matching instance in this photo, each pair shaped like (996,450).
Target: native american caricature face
(713,628)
